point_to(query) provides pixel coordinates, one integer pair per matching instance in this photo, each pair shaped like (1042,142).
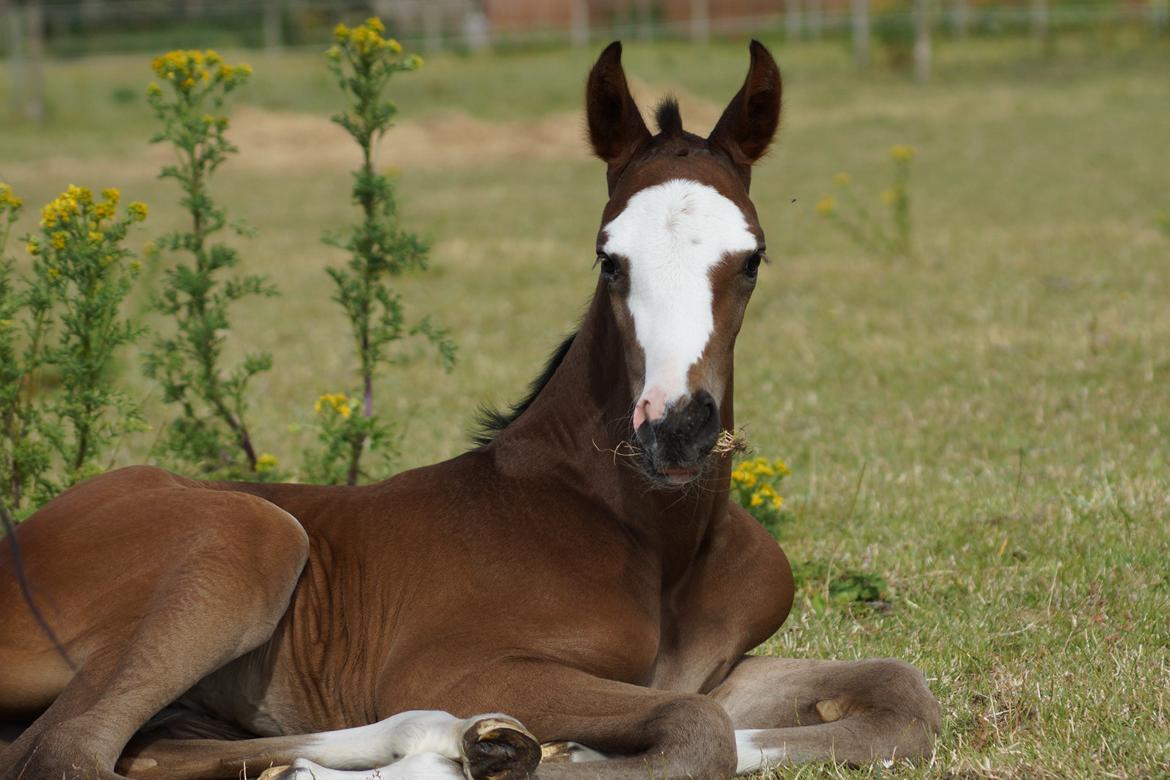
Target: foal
(606,604)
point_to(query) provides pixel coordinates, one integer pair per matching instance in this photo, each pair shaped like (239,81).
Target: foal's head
(679,249)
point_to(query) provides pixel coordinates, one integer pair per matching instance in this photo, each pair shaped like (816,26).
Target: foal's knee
(695,733)
(899,690)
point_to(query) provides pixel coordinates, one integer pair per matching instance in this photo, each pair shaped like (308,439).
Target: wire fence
(33,30)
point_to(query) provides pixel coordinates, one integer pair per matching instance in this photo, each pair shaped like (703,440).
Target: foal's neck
(579,428)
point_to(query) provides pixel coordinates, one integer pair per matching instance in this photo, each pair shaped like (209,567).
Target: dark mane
(667,116)
(491,421)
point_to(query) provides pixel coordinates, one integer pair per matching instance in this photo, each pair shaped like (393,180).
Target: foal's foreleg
(793,711)
(484,746)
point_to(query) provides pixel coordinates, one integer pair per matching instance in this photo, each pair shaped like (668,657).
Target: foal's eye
(609,267)
(751,268)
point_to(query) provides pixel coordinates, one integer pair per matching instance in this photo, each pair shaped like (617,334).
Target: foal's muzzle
(676,445)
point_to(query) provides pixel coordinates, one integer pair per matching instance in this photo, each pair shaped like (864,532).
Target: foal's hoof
(499,748)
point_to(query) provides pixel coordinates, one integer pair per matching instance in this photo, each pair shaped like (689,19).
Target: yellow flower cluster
(902,152)
(769,494)
(841,179)
(76,200)
(266,462)
(336,402)
(366,39)
(188,68)
(826,206)
(749,472)
(8,199)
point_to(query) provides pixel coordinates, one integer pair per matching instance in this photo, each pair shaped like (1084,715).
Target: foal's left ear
(749,122)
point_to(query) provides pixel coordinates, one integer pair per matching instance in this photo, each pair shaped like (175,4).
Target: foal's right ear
(616,127)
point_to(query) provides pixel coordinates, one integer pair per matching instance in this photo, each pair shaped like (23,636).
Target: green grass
(986,426)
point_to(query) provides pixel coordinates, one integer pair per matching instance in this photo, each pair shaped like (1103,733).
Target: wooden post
(860,23)
(960,18)
(1039,19)
(1159,14)
(793,20)
(10,18)
(273,24)
(645,24)
(34,79)
(579,23)
(432,27)
(921,40)
(700,21)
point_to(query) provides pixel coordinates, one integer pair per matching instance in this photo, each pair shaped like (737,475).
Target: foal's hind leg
(151,585)
(792,711)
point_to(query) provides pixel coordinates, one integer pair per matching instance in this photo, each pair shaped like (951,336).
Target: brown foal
(605,603)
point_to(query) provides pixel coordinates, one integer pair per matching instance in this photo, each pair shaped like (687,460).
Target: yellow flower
(414,62)
(336,402)
(889,197)
(781,467)
(826,206)
(757,499)
(394,46)
(58,239)
(333,53)
(266,462)
(53,273)
(79,194)
(902,152)
(777,502)
(841,179)
(187,83)
(375,23)
(341,32)
(138,211)
(245,69)
(103,211)
(111,195)
(95,237)
(33,248)
(7,199)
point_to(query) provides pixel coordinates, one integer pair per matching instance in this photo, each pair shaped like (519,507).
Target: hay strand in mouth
(730,442)
(624,449)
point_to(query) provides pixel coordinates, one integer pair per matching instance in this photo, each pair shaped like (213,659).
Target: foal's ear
(749,122)
(616,127)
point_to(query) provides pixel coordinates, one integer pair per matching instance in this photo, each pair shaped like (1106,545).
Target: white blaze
(673,234)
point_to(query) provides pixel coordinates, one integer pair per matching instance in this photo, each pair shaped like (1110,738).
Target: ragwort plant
(211,432)
(64,320)
(889,235)
(755,485)
(363,62)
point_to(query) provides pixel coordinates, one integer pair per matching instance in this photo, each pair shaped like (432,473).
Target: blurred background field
(986,424)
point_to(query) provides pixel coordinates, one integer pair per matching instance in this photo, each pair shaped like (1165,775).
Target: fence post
(34,80)
(921,40)
(273,25)
(1159,14)
(700,21)
(432,20)
(579,23)
(860,23)
(960,18)
(1039,19)
(816,18)
(793,20)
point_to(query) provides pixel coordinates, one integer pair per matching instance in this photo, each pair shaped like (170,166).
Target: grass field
(987,425)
